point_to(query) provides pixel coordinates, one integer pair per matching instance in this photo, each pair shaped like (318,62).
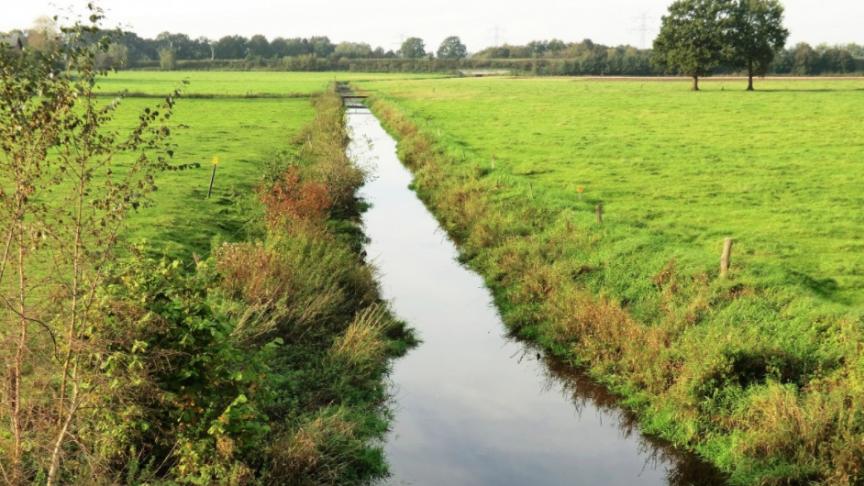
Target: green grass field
(777,170)
(758,371)
(221,84)
(244,133)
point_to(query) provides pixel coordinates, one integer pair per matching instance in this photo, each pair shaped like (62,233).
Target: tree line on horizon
(712,46)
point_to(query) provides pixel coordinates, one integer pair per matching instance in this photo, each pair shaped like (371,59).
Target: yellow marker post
(215,163)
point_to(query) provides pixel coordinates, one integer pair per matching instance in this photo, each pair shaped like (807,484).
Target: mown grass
(760,372)
(245,135)
(238,84)
(244,118)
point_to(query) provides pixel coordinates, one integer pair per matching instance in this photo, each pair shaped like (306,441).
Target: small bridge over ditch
(353,101)
(349,99)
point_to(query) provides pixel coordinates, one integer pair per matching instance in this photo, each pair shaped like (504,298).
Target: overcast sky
(385,22)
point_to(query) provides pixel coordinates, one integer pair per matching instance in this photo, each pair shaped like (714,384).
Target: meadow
(676,172)
(234,84)
(180,218)
(758,371)
(245,119)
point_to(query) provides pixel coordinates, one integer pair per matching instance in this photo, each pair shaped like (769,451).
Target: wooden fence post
(726,257)
(598,210)
(215,163)
(212,180)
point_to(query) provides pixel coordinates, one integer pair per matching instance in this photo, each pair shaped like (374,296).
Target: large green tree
(353,50)
(452,48)
(321,46)
(757,36)
(694,37)
(413,48)
(231,47)
(259,46)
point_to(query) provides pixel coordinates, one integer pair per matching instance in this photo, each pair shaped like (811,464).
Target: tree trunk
(3,262)
(750,77)
(695,83)
(72,327)
(18,365)
(54,469)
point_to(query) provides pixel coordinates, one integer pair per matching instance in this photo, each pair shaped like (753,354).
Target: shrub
(292,200)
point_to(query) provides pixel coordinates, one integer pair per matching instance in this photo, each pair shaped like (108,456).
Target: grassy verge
(289,387)
(755,372)
(262,363)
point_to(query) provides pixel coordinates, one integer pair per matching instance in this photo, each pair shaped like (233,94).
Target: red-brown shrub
(294,199)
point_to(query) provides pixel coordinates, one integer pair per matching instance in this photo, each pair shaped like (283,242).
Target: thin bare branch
(6,254)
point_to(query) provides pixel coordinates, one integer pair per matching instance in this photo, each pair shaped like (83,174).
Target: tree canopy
(757,36)
(725,36)
(353,50)
(698,36)
(694,37)
(413,48)
(231,47)
(452,48)
(259,46)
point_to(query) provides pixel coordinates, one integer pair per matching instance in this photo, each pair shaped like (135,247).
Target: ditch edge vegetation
(316,339)
(264,363)
(757,412)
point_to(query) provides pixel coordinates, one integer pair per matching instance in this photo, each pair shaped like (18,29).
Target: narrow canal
(473,406)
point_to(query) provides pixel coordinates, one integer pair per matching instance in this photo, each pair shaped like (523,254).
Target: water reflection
(473,406)
(683,469)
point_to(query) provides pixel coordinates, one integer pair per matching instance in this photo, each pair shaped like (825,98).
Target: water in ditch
(473,406)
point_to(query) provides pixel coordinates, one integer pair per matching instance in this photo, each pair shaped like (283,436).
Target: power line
(497,35)
(642,28)
(402,38)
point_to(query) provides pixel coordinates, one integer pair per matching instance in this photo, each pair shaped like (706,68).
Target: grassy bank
(286,386)
(307,341)
(760,371)
(245,342)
